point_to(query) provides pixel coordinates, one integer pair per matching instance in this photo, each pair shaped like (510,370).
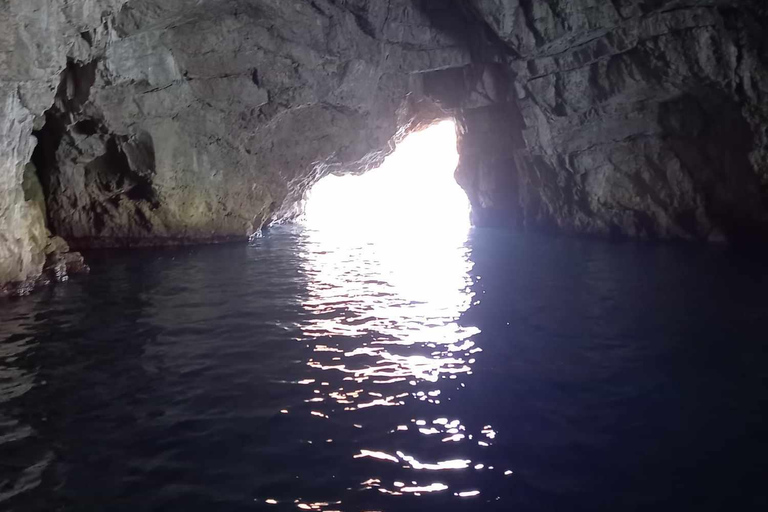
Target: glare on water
(366,281)
(389,278)
(339,365)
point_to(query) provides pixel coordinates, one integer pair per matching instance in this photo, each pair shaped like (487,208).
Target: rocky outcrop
(173,121)
(188,121)
(639,118)
(36,39)
(204,120)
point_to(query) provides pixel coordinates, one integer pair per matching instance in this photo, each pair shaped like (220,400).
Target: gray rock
(36,37)
(205,120)
(181,121)
(640,118)
(188,121)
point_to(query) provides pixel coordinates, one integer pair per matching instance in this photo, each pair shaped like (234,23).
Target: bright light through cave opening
(413,194)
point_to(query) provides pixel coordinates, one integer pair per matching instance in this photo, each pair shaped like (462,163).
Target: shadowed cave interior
(357,255)
(151,123)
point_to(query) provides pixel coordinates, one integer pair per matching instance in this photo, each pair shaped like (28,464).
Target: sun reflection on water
(388,266)
(383,317)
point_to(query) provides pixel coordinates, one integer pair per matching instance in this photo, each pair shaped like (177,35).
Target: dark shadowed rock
(147,122)
(640,118)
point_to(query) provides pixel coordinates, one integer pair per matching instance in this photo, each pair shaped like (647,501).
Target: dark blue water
(504,372)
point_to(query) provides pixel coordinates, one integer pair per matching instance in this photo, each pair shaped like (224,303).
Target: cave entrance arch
(412,194)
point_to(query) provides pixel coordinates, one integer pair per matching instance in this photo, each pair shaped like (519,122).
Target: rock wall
(36,38)
(201,120)
(172,121)
(204,120)
(640,118)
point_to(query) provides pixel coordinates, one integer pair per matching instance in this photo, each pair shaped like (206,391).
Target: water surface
(310,372)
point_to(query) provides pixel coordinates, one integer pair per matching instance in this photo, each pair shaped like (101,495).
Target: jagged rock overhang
(146,108)
(216,115)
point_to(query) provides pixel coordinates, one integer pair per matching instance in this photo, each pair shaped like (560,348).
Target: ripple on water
(383,333)
(22,458)
(307,373)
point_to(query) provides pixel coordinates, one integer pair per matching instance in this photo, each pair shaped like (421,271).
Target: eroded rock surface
(186,121)
(640,118)
(204,120)
(36,38)
(175,121)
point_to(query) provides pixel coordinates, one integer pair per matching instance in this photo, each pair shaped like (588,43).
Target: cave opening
(403,226)
(413,194)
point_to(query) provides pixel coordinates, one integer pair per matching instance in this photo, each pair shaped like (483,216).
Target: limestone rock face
(36,38)
(174,121)
(131,122)
(644,118)
(200,121)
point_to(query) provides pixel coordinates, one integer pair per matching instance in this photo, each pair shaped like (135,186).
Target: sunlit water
(308,372)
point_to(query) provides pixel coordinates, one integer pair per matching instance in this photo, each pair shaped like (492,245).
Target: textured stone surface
(176,121)
(186,121)
(201,121)
(641,118)
(36,36)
